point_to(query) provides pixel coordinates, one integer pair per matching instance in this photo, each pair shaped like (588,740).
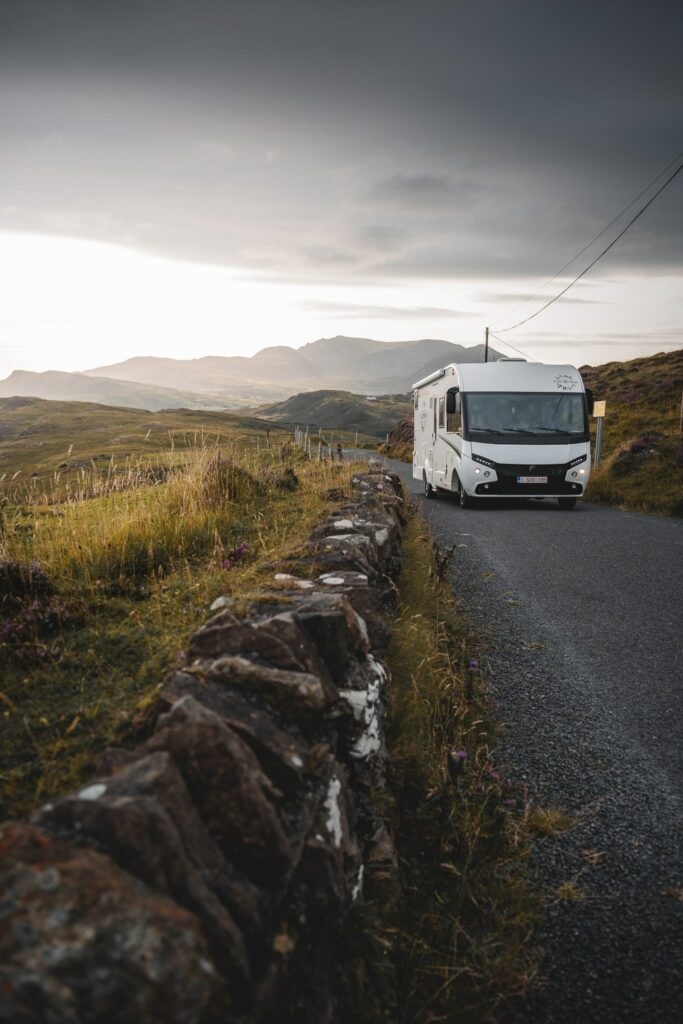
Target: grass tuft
(549,821)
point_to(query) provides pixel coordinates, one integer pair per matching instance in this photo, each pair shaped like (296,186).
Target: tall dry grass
(110,527)
(130,567)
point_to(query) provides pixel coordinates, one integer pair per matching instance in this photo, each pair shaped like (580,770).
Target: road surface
(584,614)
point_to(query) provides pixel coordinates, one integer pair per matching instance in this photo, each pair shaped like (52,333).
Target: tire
(428,489)
(463,498)
(566,504)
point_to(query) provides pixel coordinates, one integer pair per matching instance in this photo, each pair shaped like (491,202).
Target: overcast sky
(183,178)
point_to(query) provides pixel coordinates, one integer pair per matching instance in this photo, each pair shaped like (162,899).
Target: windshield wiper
(487,430)
(553,430)
(519,430)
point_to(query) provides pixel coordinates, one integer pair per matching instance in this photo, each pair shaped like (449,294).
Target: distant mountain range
(360,365)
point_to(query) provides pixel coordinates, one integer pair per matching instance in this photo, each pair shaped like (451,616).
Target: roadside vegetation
(642,452)
(105,570)
(450,936)
(399,442)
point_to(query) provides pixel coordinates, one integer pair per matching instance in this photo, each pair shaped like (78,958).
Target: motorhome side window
(453,413)
(442,403)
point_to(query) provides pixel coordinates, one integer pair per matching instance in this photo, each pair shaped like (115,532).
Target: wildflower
(456,763)
(233,556)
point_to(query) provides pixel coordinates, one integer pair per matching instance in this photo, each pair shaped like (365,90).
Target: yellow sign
(599,408)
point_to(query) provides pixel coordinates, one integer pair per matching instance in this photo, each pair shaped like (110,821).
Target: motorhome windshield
(501,416)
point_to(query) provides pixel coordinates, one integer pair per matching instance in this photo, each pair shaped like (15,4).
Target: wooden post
(486,346)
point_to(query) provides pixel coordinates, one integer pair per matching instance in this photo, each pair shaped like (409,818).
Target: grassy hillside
(42,440)
(339,410)
(399,443)
(103,579)
(642,453)
(79,387)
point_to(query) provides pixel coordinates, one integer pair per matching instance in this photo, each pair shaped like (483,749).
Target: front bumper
(489,479)
(508,487)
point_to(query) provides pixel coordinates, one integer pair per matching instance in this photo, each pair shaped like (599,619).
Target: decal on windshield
(565,382)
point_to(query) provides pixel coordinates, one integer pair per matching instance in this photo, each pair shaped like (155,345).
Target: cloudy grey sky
(378,167)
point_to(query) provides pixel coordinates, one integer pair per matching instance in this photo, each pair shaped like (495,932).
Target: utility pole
(486,347)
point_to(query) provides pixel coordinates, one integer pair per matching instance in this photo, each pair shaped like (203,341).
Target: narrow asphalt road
(583,611)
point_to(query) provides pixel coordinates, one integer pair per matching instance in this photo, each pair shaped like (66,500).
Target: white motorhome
(509,429)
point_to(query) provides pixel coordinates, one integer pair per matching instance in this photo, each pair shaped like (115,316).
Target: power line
(599,235)
(564,291)
(509,344)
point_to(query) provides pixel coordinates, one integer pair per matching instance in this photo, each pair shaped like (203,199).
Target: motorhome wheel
(463,496)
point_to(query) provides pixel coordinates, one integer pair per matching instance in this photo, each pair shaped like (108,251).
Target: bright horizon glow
(71,304)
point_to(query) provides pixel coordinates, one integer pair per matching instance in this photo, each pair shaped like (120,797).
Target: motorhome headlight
(577,462)
(477,470)
(484,462)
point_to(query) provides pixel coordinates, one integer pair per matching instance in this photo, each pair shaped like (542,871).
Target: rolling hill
(77,387)
(39,438)
(338,410)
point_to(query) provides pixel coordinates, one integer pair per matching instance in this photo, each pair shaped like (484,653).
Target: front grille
(505,469)
(507,485)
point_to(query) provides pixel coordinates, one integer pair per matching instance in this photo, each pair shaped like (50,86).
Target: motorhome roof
(509,376)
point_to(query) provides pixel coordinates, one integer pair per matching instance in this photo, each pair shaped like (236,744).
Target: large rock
(227,787)
(225,634)
(336,630)
(282,753)
(81,942)
(144,819)
(296,694)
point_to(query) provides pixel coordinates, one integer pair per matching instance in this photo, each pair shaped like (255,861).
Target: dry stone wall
(205,875)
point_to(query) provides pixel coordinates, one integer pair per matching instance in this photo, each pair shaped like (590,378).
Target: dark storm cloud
(359,141)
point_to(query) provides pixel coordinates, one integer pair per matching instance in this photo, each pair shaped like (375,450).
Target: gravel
(583,613)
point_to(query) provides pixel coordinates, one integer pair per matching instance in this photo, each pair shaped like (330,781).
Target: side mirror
(590,401)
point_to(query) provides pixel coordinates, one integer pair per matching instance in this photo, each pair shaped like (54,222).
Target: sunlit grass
(131,571)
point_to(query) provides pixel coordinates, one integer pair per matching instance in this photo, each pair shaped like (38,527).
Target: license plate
(532,479)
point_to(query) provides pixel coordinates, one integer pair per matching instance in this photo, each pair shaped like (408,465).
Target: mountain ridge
(357,365)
